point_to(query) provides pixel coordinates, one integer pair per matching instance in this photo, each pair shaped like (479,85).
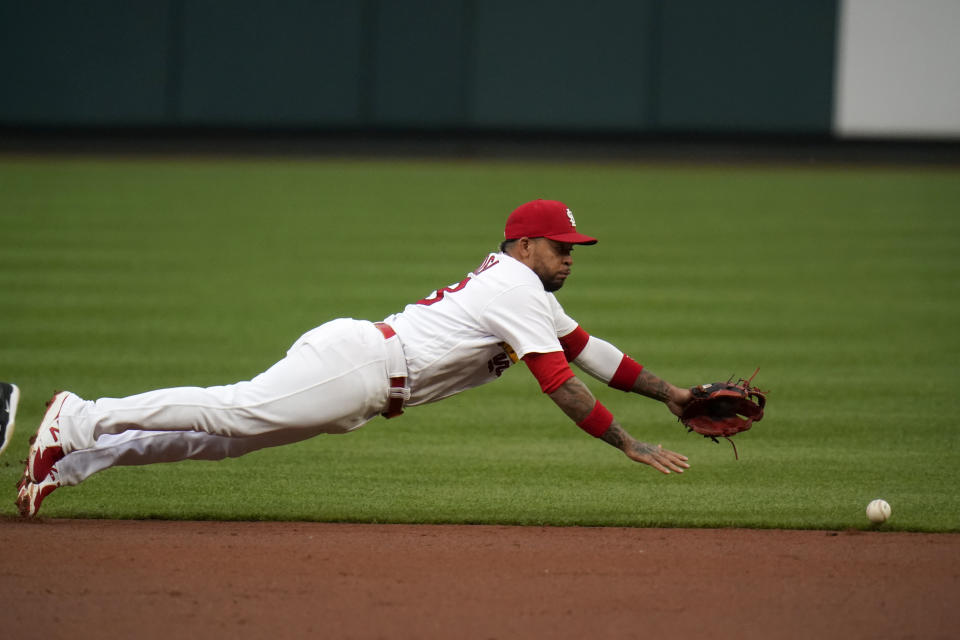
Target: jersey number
(437,295)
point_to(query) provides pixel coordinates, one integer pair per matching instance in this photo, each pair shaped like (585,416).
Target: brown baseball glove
(724,409)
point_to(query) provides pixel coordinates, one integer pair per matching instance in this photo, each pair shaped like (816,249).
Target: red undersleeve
(574,342)
(550,369)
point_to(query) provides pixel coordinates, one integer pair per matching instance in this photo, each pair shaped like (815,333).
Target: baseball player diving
(340,375)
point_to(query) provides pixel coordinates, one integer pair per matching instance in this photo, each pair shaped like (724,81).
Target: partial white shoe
(30,495)
(9,399)
(46,447)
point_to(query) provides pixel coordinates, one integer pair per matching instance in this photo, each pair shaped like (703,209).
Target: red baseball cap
(545,219)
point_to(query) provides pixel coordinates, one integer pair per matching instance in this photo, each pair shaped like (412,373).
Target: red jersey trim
(550,369)
(574,343)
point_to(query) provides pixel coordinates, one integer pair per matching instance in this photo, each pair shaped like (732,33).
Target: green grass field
(841,284)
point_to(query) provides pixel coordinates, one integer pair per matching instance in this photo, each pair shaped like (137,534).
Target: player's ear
(525,244)
(521,248)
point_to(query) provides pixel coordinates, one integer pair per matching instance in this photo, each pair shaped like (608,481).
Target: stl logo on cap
(550,219)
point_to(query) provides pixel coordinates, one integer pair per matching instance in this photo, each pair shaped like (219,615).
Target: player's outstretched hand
(663,460)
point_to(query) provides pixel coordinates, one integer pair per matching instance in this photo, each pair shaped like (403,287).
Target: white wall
(898,69)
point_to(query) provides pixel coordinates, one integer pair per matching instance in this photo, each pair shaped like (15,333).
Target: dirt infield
(158,579)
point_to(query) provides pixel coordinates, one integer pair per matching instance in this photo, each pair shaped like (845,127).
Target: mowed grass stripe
(841,285)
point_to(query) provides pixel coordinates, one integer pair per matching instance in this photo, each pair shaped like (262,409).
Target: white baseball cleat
(31,494)
(9,399)
(46,448)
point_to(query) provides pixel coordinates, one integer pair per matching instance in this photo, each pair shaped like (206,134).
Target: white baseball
(878,511)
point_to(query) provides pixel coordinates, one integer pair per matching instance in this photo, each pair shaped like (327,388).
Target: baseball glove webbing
(724,409)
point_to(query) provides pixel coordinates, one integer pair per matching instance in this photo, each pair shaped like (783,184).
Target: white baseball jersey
(467,334)
(333,379)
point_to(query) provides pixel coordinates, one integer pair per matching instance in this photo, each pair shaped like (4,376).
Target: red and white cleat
(31,494)
(46,448)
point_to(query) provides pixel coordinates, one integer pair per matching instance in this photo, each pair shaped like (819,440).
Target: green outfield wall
(638,66)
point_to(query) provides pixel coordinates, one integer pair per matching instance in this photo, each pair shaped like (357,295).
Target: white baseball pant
(334,379)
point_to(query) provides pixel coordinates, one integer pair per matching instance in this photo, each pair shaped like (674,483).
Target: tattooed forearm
(575,399)
(651,386)
(616,436)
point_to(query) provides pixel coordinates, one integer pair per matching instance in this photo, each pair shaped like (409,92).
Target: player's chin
(553,285)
